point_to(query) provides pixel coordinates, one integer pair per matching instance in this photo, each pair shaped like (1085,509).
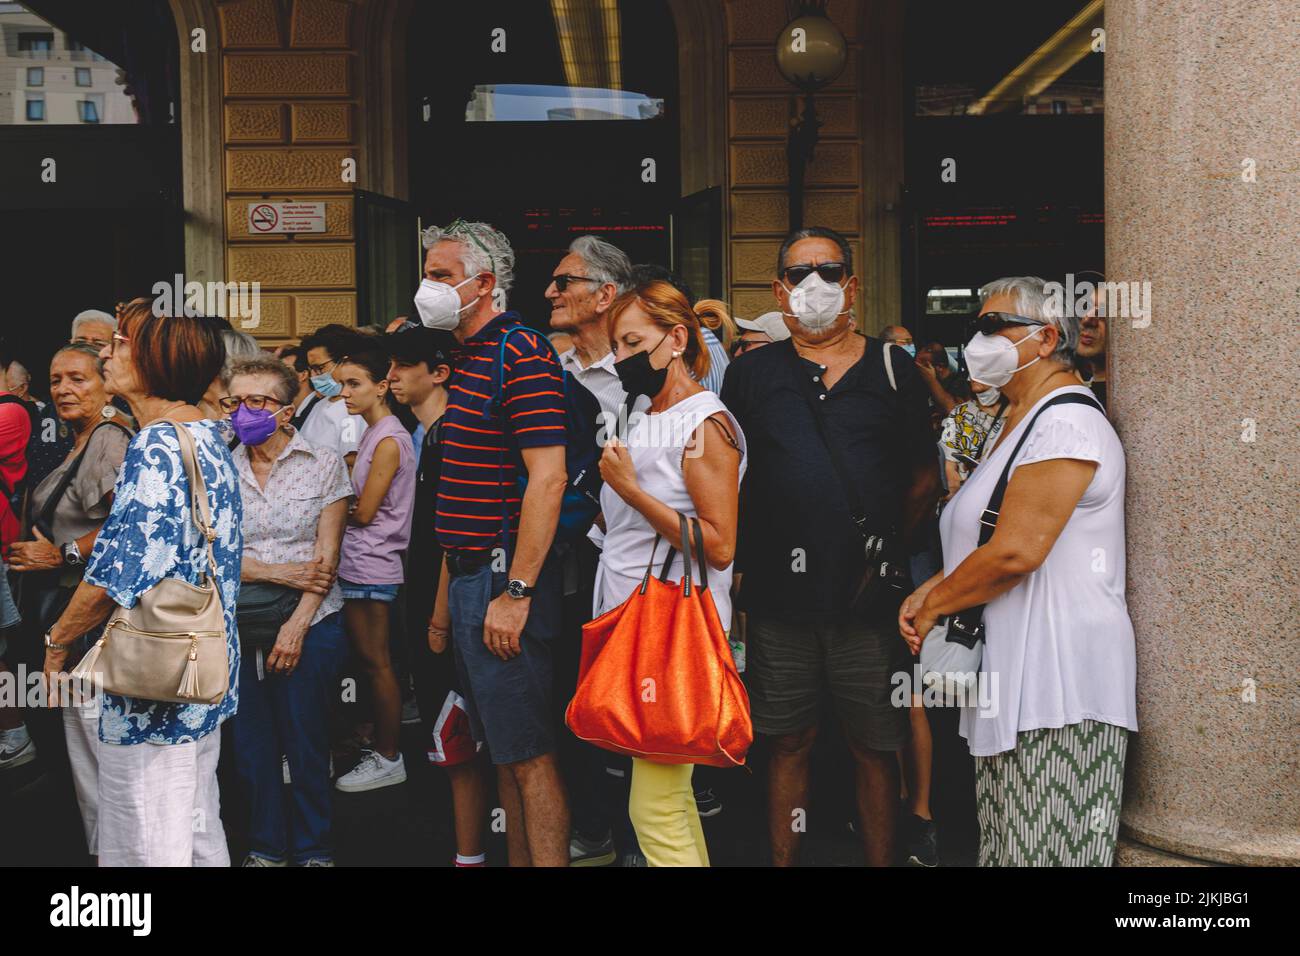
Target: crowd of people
(411,513)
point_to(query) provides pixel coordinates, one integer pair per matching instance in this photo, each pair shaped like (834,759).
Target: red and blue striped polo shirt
(480,462)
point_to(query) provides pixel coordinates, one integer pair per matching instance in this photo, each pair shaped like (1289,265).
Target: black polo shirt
(801,555)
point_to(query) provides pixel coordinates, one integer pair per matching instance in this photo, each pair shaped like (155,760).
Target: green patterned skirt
(1055,799)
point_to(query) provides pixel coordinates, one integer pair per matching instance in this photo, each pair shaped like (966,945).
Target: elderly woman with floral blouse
(158,799)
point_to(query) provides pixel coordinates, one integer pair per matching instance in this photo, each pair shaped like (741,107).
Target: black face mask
(639,377)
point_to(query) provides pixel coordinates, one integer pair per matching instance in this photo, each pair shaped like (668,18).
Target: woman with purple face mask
(296,497)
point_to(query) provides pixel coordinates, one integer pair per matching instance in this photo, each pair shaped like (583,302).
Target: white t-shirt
(1060,643)
(656,444)
(329,425)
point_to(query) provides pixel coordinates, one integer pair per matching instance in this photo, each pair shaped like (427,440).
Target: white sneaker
(373,772)
(16,748)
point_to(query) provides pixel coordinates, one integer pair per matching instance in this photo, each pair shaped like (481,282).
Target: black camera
(967,627)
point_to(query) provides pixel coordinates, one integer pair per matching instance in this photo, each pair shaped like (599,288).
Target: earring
(677,355)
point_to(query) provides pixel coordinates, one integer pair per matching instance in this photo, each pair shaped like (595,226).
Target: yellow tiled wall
(289,102)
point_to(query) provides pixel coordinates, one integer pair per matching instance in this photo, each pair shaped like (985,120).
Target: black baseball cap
(416,344)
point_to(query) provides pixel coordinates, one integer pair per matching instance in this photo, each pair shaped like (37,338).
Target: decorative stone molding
(321,122)
(320,23)
(266,170)
(293,265)
(310,312)
(288,74)
(759,212)
(255,123)
(250,23)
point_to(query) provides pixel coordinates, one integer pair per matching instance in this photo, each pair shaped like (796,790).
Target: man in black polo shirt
(810,633)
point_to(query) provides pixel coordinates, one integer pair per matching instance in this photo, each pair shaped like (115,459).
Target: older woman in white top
(686,456)
(1058,696)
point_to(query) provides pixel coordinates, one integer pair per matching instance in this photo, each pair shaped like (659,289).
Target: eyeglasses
(991,322)
(117,337)
(321,369)
(254,402)
(829,271)
(562,280)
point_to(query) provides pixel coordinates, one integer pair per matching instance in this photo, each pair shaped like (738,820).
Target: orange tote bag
(656,678)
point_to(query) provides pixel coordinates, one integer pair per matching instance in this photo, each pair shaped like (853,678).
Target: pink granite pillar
(1202,189)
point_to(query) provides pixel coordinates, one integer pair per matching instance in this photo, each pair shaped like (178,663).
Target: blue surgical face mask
(327,386)
(909,348)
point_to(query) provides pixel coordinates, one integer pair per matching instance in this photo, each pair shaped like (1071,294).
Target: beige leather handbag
(172,645)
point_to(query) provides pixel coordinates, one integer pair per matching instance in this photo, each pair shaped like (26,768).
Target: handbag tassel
(190,679)
(87,665)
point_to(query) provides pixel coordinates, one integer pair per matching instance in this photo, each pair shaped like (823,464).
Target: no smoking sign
(278,217)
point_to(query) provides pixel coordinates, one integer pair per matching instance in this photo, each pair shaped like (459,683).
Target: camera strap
(814,397)
(989,518)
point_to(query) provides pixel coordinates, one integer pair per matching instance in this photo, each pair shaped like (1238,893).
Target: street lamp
(810,53)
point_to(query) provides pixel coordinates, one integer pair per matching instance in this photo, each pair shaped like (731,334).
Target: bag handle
(689,527)
(198,491)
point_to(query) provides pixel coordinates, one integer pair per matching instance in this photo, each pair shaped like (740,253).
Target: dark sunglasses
(991,322)
(562,280)
(829,271)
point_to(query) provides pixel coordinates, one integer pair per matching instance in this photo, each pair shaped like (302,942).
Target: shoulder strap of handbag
(198,491)
(989,519)
(44,520)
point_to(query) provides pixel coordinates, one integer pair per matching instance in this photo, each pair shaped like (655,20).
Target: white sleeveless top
(656,443)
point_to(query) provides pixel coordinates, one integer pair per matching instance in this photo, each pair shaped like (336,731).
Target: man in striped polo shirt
(499,596)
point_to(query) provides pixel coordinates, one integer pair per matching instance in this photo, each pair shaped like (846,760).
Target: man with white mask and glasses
(1033,546)
(842,466)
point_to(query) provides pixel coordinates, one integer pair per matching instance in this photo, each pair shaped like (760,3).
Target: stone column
(1201,190)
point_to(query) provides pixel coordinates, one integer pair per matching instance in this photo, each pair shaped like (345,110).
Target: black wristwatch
(72,555)
(517,589)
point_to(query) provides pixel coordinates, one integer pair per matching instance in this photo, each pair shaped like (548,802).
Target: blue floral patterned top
(150,536)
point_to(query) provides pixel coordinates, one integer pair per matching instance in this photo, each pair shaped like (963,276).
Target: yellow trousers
(662,808)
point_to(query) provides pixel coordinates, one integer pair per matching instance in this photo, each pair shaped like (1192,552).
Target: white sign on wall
(273,217)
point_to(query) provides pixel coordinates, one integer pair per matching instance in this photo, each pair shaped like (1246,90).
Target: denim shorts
(508,702)
(368,592)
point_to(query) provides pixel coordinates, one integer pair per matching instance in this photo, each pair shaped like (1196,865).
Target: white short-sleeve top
(1059,646)
(657,443)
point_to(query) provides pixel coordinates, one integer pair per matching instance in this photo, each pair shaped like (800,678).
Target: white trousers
(159,804)
(81,730)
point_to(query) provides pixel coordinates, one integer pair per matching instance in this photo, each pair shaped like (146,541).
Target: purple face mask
(253,426)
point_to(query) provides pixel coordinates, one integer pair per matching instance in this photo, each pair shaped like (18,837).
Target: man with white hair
(93,327)
(583,286)
(499,596)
